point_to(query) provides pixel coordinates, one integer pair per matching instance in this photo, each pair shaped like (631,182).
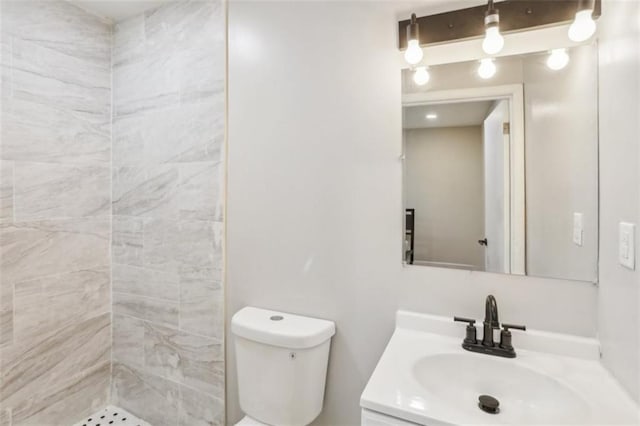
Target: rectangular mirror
(501,174)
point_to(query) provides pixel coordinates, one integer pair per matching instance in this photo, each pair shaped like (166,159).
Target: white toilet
(281,361)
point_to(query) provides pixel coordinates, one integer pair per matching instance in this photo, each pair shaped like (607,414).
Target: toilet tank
(281,360)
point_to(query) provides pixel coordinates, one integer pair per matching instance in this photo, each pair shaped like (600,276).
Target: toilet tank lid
(280,328)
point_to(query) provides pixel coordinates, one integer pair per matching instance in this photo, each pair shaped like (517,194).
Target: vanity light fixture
(413,54)
(487,68)
(493,41)
(558,59)
(583,26)
(421,76)
(431,116)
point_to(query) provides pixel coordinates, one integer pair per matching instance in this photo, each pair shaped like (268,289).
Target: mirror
(501,174)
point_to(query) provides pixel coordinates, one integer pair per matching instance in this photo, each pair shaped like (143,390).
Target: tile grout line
(111,45)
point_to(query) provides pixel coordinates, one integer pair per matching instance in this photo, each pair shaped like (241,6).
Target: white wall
(315,199)
(619,295)
(561,139)
(443,169)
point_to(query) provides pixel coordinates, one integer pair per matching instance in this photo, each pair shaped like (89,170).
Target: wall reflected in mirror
(501,174)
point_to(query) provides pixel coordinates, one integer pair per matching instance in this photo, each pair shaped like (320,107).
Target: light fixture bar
(515,15)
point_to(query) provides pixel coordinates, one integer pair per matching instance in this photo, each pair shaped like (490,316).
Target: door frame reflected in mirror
(515,256)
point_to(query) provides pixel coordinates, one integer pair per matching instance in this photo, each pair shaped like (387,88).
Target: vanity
(500,173)
(425,377)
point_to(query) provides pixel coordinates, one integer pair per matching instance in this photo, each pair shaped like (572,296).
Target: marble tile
(44,305)
(184,133)
(58,25)
(129,40)
(168,142)
(187,246)
(6,42)
(185,358)
(33,369)
(146,282)
(159,311)
(45,190)
(147,84)
(128,340)
(184,22)
(6,191)
(149,397)
(201,191)
(127,240)
(196,81)
(5,416)
(6,313)
(129,139)
(145,191)
(198,409)
(36,132)
(44,76)
(178,134)
(72,399)
(35,249)
(202,307)
(55,334)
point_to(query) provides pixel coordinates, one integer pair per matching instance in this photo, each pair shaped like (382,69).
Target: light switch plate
(578,229)
(627,245)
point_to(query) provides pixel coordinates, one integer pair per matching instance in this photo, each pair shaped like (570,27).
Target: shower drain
(112,416)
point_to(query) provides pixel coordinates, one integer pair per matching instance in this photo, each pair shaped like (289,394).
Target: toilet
(281,360)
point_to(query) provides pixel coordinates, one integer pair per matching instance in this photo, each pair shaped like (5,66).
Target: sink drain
(488,404)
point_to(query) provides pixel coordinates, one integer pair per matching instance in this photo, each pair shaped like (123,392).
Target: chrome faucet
(490,323)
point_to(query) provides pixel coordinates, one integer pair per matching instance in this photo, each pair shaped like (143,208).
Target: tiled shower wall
(168,134)
(55,207)
(111,128)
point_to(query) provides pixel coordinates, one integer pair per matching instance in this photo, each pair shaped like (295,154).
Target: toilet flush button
(277,318)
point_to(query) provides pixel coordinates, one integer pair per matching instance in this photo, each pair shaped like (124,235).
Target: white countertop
(573,362)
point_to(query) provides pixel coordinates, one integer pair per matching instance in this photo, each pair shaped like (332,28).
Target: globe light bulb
(487,68)
(413,54)
(421,76)
(583,26)
(558,59)
(493,41)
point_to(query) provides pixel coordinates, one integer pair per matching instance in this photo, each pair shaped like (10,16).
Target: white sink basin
(425,377)
(525,396)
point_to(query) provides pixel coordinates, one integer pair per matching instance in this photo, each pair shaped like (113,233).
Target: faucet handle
(470,337)
(467,320)
(506,327)
(505,335)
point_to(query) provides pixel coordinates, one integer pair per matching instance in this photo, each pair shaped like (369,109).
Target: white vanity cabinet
(372,418)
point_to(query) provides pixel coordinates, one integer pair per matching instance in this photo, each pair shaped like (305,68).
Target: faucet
(490,323)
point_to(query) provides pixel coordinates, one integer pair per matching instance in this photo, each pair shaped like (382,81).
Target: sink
(425,377)
(525,396)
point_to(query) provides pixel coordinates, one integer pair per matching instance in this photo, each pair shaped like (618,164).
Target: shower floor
(112,416)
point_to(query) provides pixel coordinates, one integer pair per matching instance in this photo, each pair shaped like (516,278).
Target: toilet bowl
(281,362)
